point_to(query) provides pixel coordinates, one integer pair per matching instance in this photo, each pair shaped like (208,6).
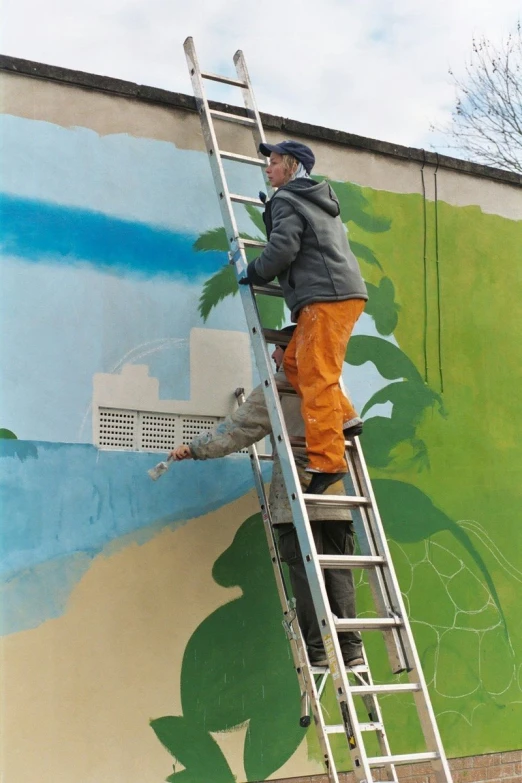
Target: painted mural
(141,619)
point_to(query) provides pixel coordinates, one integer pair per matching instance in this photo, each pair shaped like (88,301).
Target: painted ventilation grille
(118,428)
(158,431)
(145,431)
(194,425)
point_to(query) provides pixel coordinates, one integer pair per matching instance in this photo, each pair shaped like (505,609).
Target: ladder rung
(336,501)
(297,443)
(214,77)
(402,758)
(284,387)
(340,729)
(301,442)
(242,158)
(246,200)
(368,623)
(228,117)
(378,690)
(361,668)
(250,243)
(350,561)
(277,337)
(268,290)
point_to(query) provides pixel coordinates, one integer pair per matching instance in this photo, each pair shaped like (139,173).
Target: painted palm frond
(223,283)
(217,288)
(215,239)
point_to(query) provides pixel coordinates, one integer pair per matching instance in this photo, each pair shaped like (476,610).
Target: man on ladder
(308,252)
(332,528)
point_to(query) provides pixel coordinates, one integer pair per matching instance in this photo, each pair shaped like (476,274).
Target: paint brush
(161,468)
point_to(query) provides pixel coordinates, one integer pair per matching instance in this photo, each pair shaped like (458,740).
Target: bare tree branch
(486,124)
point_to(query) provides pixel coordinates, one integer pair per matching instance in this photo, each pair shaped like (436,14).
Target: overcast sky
(378,68)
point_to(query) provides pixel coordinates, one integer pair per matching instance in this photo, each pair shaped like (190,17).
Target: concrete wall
(142,633)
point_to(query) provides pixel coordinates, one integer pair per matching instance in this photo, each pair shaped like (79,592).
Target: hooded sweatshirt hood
(318,193)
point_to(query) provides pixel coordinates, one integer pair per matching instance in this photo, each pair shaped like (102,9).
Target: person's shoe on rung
(321,481)
(320,661)
(357,661)
(352,428)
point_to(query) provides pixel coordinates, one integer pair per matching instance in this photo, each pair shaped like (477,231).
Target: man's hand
(181,452)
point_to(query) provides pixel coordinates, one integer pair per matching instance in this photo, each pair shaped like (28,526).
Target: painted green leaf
(214,239)
(220,285)
(382,306)
(409,398)
(364,253)
(388,358)
(7,434)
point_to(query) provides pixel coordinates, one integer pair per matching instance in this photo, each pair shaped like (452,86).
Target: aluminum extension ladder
(375,558)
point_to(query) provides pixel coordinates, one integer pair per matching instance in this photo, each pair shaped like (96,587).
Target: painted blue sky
(374,68)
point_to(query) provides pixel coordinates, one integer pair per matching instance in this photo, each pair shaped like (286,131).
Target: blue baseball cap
(300,152)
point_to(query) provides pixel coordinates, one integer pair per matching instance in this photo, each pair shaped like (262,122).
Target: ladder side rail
(397,642)
(248,98)
(371,702)
(297,646)
(373,709)
(294,635)
(377,576)
(376,530)
(416,675)
(211,143)
(304,532)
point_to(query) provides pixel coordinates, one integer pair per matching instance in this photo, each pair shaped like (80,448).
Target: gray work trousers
(331,538)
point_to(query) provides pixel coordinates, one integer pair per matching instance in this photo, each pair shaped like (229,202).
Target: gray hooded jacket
(251,423)
(307,248)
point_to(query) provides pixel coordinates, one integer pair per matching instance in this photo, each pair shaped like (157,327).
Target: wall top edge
(178,100)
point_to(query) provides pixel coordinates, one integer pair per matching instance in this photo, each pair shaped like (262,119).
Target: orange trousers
(313,364)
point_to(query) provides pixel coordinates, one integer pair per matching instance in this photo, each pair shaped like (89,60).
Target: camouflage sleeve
(248,424)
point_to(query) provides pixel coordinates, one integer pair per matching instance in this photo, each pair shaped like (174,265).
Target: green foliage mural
(444,286)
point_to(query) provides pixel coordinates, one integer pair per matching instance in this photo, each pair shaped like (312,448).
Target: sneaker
(352,428)
(321,481)
(319,661)
(357,661)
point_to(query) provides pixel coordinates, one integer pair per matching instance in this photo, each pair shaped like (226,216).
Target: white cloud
(373,67)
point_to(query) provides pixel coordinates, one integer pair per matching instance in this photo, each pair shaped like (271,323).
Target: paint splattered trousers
(313,364)
(331,538)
